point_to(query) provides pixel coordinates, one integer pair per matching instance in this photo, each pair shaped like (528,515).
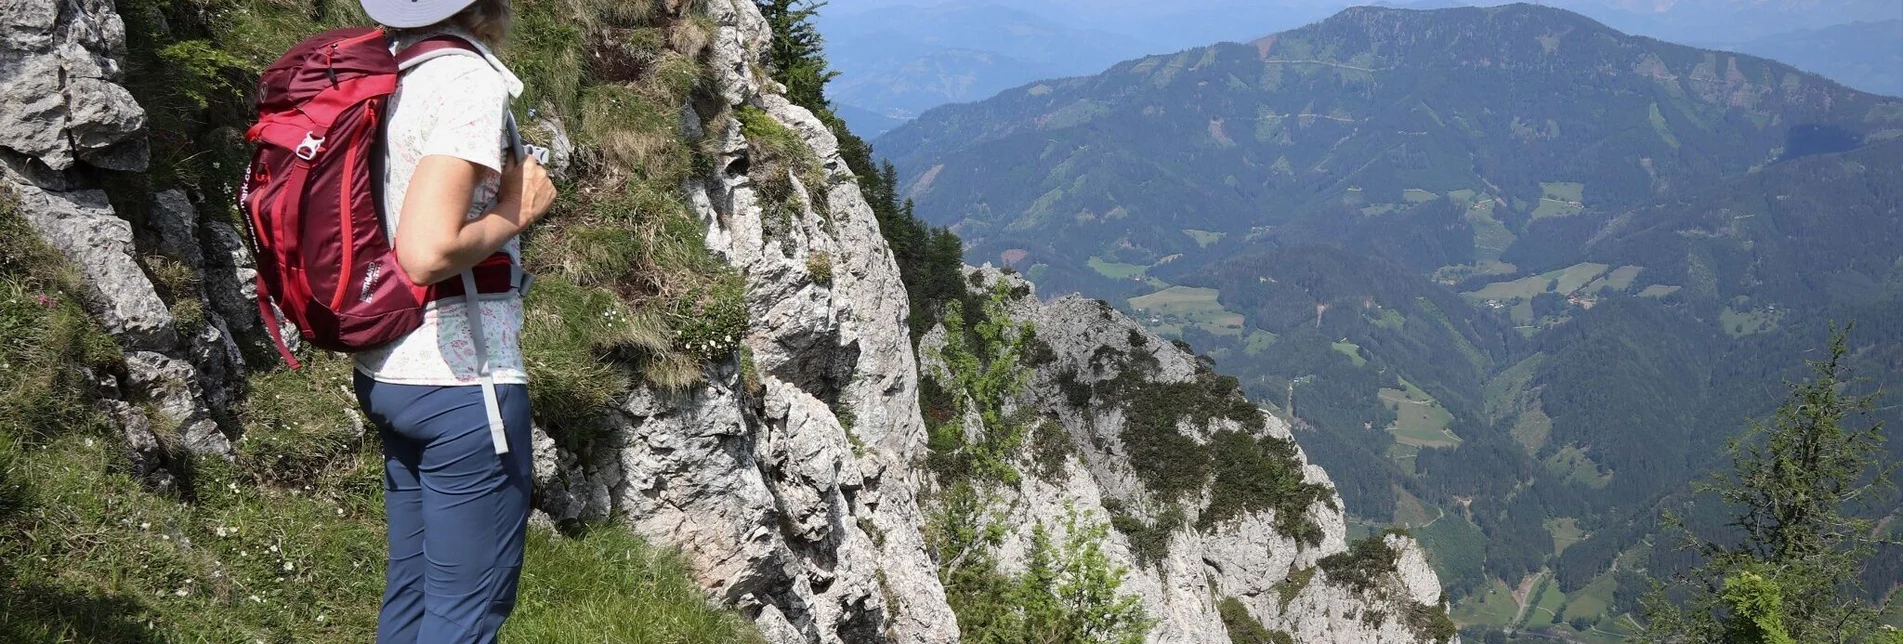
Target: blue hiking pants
(457,511)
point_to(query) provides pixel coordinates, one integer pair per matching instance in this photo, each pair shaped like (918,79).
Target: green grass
(1563,190)
(283,543)
(1417,195)
(1565,533)
(1116,270)
(1419,419)
(1257,342)
(1523,288)
(1749,322)
(1409,511)
(1659,125)
(1659,290)
(1564,281)
(1621,278)
(1572,278)
(1593,600)
(1191,305)
(1403,455)
(1491,607)
(1550,601)
(1204,237)
(1491,238)
(1555,208)
(1352,350)
(1572,464)
(610,586)
(1390,319)
(1456,548)
(1532,428)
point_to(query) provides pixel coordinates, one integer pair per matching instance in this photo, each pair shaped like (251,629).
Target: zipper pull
(330,69)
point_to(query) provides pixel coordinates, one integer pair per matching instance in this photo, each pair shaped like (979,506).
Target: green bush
(1243,627)
(1051,451)
(1069,592)
(1254,474)
(1366,564)
(1431,623)
(1292,585)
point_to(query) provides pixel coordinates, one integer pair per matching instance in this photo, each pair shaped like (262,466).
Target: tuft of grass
(1292,585)
(301,424)
(1244,628)
(610,586)
(177,286)
(779,157)
(49,347)
(819,264)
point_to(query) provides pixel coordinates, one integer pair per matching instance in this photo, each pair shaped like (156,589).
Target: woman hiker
(457,509)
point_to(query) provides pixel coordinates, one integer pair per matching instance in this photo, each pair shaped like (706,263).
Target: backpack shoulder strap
(434,47)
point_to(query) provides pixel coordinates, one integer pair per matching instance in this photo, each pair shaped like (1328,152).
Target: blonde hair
(488,20)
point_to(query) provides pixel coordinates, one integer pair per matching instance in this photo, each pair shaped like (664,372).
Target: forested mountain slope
(1526,112)
(1516,276)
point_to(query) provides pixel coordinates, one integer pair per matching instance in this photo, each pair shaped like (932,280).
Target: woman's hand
(527,188)
(434,242)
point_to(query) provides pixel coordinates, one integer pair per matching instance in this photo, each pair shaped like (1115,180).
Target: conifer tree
(797,56)
(1796,484)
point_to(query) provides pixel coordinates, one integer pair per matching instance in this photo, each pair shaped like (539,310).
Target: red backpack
(310,197)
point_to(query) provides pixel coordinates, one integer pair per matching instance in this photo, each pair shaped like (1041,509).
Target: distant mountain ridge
(1518,274)
(1865,55)
(899,61)
(1349,114)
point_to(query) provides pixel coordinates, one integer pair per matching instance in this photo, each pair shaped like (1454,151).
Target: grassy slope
(284,544)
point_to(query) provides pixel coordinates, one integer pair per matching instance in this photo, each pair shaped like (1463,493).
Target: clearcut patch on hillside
(1204,237)
(1560,199)
(1420,420)
(1176,307)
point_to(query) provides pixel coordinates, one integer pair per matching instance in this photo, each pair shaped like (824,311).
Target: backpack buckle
(308,149)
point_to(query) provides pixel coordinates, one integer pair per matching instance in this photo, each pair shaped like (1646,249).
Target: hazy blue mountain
(1516,274)
(1864,55)
(865,122)
(1728,20)
(898,61)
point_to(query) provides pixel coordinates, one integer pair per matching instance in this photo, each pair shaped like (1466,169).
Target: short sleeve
(467,103)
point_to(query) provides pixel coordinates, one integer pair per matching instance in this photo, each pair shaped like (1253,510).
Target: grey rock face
(61,106)
(84,228)
(60,100)
(1243,558)
(795,503)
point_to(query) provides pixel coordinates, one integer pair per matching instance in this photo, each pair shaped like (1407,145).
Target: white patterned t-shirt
(452,105)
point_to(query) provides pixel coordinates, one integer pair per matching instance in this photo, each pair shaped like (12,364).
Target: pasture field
(1420,420)
(1188,305)
(1565,532)
(1204,237)
(1353,351)
(1116,270)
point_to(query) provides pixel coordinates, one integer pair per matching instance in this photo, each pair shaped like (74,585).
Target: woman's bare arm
(435,241)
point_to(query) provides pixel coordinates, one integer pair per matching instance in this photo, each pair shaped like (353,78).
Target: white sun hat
(409,14)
